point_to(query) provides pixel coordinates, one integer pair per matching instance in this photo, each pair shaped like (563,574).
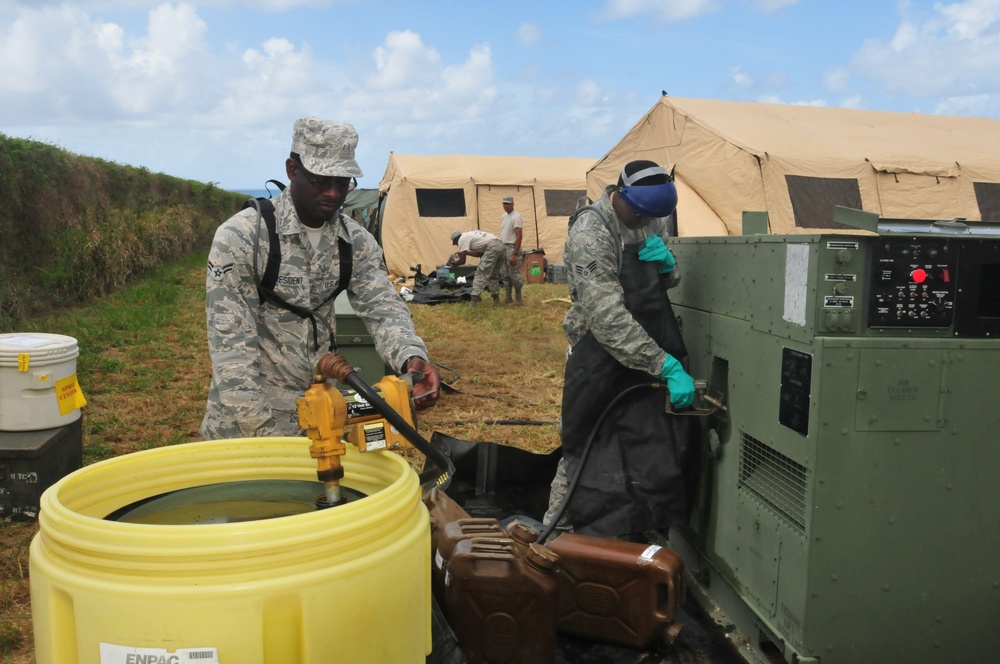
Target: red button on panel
(919,275)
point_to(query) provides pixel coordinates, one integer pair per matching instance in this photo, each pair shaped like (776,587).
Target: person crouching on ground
(491,254)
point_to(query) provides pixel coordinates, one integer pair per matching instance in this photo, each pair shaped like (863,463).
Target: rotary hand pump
(371,418)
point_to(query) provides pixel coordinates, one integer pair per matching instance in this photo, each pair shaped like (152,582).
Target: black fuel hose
(586,451)
(428,478)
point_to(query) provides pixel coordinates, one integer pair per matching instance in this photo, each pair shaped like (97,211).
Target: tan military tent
(797,162)
(428,197)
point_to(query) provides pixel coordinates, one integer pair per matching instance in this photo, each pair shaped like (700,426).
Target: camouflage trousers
(219,422)
(512,271)
(557,491)
(490,270)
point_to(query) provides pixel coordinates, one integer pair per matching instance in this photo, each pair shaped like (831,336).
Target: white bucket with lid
(37,370)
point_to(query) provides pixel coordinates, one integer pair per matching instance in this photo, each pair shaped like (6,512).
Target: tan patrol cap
(326,147)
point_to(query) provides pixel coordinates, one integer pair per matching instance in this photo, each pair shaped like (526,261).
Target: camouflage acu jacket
(262,355)
(592,256)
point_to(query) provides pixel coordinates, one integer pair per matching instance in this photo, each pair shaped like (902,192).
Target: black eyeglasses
(322,183)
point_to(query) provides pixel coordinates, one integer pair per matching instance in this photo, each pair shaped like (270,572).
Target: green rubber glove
(656,251)
(680,384)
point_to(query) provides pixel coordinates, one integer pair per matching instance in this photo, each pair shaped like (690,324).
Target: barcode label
(116,654)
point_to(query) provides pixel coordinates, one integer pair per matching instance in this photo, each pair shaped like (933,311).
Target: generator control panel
(932,282)
(913,283)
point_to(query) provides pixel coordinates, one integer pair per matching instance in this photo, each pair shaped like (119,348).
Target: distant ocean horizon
(258,193)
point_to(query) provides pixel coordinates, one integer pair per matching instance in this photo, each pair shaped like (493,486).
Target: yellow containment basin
(347,584)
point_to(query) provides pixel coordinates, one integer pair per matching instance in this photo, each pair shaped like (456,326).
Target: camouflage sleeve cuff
(410,356)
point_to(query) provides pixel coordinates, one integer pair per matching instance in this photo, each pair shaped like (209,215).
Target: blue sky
(209,90)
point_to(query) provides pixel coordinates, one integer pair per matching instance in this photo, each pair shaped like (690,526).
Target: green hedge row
(73,228)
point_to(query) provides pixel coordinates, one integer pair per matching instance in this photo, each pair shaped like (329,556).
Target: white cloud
(412,90)
(72,67)
(659,10)
(907,36)
(588,92)
(854,101)
(836,79)
(259,5)
(155,93)
(777,99)
(58,51)
(976,105)
(954,52)
(974,19)
(152,74)
(528,34)
(740,77)
(404,62)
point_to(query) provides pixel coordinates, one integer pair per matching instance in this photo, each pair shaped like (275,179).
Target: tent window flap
(813,199)
(988,199)
(562,202)
(441,202)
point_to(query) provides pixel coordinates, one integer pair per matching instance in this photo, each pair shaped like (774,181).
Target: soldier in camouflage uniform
(491,253)
(263,355)
(623,336)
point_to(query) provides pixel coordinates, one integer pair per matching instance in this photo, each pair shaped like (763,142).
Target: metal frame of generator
(848,509)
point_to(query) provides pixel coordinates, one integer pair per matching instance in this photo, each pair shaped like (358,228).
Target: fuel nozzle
(323,415)
(704,403)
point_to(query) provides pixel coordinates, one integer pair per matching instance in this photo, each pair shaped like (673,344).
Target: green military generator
(848,509)
(356,344)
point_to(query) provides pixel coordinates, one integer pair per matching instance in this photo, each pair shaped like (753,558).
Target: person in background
(641,468)
(490,251)
(264,344)
(511,232)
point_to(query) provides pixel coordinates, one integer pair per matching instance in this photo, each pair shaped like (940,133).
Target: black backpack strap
(270,277)
(266,209)
(265,285)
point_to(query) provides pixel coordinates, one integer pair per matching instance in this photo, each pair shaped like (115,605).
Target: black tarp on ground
(431,289)
(435,293)
(503,482)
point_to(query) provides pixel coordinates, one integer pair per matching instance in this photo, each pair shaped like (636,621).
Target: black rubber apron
(641,470)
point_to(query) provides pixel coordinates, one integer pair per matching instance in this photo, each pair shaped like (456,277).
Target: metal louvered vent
(775,479)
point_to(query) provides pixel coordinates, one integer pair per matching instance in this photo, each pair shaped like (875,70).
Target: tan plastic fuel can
(502,607)
(619,592)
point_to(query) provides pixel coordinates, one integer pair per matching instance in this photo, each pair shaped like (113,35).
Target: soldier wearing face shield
(641,466)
